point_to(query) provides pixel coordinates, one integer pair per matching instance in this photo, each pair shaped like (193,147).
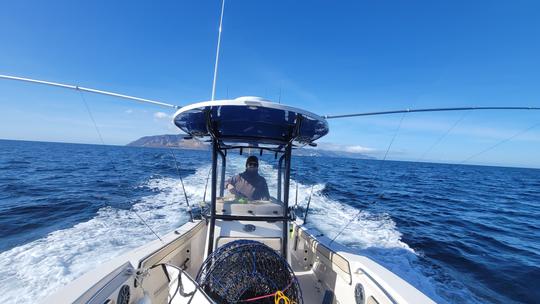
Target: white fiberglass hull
(325,271)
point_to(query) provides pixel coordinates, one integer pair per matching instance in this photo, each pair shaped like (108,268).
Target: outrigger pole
(428,110)
(168,105)
(83,89)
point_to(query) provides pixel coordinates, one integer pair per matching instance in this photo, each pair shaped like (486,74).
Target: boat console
(267,232)
(232,205)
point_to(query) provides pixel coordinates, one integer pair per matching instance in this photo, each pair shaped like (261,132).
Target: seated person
(249,184)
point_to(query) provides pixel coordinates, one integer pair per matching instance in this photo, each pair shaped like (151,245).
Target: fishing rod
(182,183)
(206,185)
(308,203)
(83,89)
(296,196)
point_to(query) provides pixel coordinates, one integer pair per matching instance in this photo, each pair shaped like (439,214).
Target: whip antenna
(217,51)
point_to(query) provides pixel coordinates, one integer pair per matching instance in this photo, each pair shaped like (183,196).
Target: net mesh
(247,272)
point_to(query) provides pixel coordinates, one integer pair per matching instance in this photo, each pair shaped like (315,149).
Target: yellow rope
(280,296)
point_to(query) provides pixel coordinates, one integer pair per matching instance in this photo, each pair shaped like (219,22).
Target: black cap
(252,159)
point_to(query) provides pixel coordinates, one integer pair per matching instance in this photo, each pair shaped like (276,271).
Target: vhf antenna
(217,52)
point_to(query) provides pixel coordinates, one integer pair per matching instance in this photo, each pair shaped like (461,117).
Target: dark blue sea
(460,234)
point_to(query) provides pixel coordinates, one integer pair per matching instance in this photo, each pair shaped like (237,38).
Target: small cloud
(345,148)
(358,149)
(161,115)
(129,111)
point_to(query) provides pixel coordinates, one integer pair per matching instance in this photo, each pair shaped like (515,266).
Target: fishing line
(91,117)
(182,183)
(394,137)
(388,148)
(144,222)
(442,137)
(500,142)
(437,142)
(345,227)
(93,120)
(379,173)
(103,143)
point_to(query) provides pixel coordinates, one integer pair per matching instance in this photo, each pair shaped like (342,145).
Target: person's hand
(231,189)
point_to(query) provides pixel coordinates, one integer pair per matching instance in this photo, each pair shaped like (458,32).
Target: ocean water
(460,234)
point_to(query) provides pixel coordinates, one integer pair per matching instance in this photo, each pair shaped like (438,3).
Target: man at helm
(249,183)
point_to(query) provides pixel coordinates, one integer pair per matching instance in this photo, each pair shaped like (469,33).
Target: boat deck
(312,290)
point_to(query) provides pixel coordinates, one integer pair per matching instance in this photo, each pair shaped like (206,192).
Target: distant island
(169,140)
(315,152)
(178,141)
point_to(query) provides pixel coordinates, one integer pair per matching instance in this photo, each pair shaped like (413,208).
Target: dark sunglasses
(252,165)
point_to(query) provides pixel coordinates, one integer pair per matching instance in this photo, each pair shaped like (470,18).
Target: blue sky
(328,57)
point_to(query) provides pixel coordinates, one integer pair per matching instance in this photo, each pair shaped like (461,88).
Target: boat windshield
(251,187)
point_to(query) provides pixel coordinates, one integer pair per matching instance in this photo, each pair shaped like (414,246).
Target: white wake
(36,269)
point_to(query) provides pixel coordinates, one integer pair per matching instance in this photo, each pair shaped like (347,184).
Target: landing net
(248,272)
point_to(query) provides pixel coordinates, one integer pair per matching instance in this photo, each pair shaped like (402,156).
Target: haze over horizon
(330,59)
